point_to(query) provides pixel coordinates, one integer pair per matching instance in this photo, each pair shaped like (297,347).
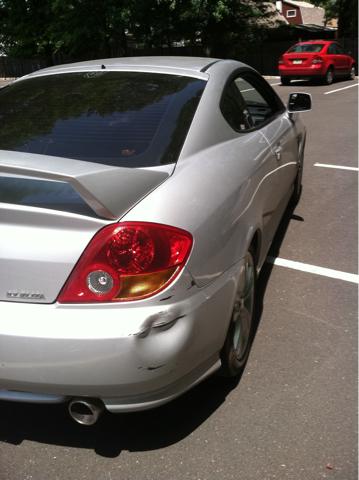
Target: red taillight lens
(317,60)
(127,261)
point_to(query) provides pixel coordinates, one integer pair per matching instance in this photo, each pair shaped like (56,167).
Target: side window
(339,49)
(249,102)
(331,49)
(291,13)
(234,109)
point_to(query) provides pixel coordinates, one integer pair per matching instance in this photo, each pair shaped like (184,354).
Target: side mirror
(299,102)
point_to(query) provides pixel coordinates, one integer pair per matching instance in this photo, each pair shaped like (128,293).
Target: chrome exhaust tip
(85,411)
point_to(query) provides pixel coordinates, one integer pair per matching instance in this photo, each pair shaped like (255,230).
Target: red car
(316,60)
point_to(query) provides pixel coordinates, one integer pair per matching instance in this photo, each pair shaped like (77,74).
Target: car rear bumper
(298,71)
(132,356)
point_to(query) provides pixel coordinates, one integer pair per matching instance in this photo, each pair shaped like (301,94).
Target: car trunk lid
(50,208)
(303,59)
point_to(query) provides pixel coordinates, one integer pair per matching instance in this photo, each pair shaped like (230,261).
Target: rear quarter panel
(224,187)
(218,197)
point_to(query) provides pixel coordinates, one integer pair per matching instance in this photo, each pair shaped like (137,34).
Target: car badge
(25,295)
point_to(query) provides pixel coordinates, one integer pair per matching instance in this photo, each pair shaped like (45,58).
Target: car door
(273,120)
(332,57)
(343,60)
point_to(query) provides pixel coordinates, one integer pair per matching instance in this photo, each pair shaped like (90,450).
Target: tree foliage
(99,28)
(80,28)
(346,11)
(348,18)
(330,6)
(70,27)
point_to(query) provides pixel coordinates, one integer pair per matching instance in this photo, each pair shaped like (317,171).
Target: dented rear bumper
(132,356)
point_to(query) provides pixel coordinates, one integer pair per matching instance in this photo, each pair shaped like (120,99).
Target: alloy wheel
(243,309)
(329,77)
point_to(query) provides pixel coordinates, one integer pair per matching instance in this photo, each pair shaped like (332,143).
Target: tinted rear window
(129,119)
(306,48)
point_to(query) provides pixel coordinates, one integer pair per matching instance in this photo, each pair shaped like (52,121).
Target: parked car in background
(323,60)
(138,201)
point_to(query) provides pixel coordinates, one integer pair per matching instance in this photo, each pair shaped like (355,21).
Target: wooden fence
(263,58)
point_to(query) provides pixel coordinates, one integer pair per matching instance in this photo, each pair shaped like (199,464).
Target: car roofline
(165,71)
(187,66)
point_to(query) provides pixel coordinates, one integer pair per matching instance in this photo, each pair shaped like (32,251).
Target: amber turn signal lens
(140,286)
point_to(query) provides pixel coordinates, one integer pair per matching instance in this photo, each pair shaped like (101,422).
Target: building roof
(311,14)
(300,4)
(315,29)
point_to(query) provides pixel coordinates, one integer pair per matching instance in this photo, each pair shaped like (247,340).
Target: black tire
(351,75)
(297,192)
(329,76)
(239,337)
(285,80)
(316,80)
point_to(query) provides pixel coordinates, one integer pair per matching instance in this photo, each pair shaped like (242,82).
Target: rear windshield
(128,119)
(306,48)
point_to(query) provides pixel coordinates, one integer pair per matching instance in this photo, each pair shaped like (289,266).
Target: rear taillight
(317,60)
(127,261)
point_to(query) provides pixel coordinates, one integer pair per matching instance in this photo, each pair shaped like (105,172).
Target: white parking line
(339,89)
(273,84)
(305,267)
(339,167)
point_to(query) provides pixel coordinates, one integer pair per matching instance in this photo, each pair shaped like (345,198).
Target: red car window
(306,48)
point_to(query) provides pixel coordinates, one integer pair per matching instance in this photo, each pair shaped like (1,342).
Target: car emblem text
(25,295)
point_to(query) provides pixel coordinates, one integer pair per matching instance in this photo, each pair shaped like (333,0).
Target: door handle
(278,152)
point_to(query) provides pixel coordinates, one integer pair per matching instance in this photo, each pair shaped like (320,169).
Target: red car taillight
(317,60)
(127,261)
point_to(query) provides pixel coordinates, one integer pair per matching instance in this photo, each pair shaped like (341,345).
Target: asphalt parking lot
(293,413)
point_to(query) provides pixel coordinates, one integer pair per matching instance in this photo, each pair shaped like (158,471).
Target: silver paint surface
(225,188)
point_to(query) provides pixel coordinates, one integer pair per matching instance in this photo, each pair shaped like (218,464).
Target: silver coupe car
(138,201)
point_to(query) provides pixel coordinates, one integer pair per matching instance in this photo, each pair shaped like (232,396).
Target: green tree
(22,27)
(95,28)
(219,25)
(346,11)
(348,18)
(330,6)
(83,27)
(71,27)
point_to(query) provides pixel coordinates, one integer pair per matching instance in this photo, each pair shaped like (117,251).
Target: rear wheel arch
(237,344)
(285,80)
(329,75)
(301,147)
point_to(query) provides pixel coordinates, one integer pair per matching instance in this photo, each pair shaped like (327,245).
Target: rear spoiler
(109,191)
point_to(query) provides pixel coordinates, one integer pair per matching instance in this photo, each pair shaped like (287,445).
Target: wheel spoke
(241,335)
(243,308)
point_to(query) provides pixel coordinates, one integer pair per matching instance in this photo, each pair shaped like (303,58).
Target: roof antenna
(103,67)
